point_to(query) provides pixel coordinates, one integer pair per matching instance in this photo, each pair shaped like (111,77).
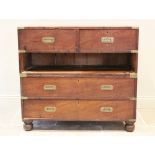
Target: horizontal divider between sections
(77,74)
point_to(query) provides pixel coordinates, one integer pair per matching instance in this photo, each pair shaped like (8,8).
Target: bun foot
(129,126)
(28,125)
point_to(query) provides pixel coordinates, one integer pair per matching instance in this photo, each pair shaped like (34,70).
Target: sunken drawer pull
(107,39)
(50,109)
(106,109)
(106,87)
(48,40)
(50,87)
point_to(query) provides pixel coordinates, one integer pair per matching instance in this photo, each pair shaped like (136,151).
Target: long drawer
(79,88)
(47,40)
(93,110)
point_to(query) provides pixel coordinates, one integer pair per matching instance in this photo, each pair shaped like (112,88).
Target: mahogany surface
(79,110)
(76,76)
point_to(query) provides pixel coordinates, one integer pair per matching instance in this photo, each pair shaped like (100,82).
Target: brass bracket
(133,98)
(135,27)
(22,51)
(21,28)
(22,75)
(132,120)
(24,97)
(134,51)
(133,75)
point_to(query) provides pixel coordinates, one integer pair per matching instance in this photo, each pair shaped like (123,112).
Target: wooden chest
(78,74)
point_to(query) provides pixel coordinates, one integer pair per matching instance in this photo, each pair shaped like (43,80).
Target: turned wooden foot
(129,125)
(28,125)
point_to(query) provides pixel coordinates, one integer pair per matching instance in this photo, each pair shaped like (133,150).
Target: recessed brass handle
(49,87)
(107,39)
(106,87)
(50,109)
(106,109)
(48,40)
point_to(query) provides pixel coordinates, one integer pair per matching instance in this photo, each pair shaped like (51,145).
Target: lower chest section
(79,98)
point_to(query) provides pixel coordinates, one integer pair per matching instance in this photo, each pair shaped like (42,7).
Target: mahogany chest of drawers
(78,74)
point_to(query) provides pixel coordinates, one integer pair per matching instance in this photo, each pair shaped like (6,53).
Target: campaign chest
(78,74)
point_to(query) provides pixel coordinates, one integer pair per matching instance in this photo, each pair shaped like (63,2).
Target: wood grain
(70,59)
(90,88)
(65,109)
(90,110)
(124,41)
(79,88)
(82,110)
(30,40)
(77,64)
(24,61)
(78,40)
(65,87)
(134,61)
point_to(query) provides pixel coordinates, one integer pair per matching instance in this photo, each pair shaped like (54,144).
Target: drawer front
(79,88)
(50,109)
(106,110)
(106,88)
(52,40)
(110,40)
(49,87)
(79,110)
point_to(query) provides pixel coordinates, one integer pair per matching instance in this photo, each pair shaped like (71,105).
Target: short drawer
(50,109)
(98,110)
(108,40)
(47,40)
(106,88)
(50,87)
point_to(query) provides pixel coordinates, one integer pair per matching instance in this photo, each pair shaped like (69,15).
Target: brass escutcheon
(50,109)
(106,109)
(50,87)
(48,40)
(106,87)
(107,39)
